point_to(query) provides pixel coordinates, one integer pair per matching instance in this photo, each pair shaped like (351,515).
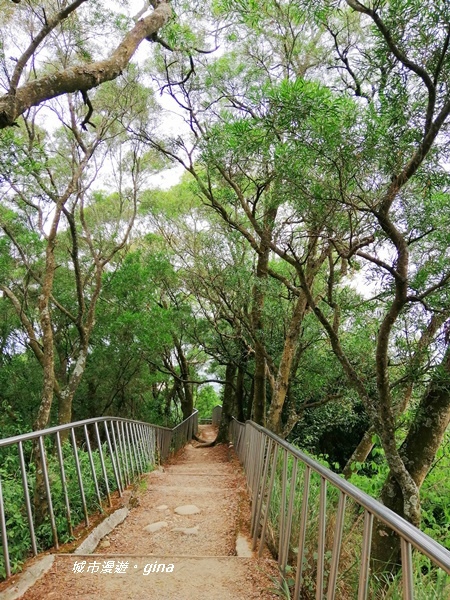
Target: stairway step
(136,577)
(195,549)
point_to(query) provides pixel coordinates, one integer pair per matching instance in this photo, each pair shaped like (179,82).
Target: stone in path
(154,527)
(187,509)
(187,530)
(162,507)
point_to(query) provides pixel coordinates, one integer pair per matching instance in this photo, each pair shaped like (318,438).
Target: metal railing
(320,527)
(183,433)
(71,470)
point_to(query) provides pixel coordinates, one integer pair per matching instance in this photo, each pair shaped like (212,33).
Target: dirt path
(160,553)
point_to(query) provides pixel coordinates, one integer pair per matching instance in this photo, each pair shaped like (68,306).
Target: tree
(206,400)
(61,232)
(211,270)
(70,77)
(368,151)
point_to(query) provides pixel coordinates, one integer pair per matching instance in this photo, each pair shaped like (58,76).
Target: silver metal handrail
(268,459)
(183,432)
(125,447)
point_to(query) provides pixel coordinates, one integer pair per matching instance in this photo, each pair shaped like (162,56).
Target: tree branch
(82,77)
(50,24)
(402,57)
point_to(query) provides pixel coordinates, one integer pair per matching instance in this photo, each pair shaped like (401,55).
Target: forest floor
(198,550)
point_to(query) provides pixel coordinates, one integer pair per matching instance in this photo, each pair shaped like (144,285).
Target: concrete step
(158,577)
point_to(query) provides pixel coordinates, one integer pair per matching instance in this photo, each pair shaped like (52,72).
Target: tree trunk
(48,357)
(67,394)
(259,390)
(274,422)
(240,392)
(417,451)
(361,452)
(223,435)
(187,399)
(249,413)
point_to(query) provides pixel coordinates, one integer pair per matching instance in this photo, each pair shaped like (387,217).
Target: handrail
(103,454)
(259,449)
(39,432)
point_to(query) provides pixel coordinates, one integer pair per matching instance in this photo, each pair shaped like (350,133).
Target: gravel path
(159,552)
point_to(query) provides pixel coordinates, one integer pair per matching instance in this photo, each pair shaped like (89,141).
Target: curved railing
(72,469)
(320,527)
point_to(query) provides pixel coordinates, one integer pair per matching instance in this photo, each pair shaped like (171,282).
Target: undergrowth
(429,581)
(17,528)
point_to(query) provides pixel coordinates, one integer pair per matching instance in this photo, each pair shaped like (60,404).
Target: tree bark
(259,391)
(68,393)
(417,451)
(361,452)
(82,77)
(249,413)
(240,393)
(274,422)
(48,358)
(223,435)
(187,399)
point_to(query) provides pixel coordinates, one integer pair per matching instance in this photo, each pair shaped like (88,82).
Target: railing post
(332,580)
(117,455)
(321,536)
(130,450)
(137,438)
(113,458)
(365,556)
(4,536)
(259,467)
(48,491)
(269,498)
(288,529)
(283,507)
(91,461)
(63,483)
(102,462)
(144,447)
(407,571)
(260,494)
(79,476)
(26,493)
(302,534)
(125,453)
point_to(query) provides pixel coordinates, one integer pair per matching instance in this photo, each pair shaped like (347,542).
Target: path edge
(28,578)
(42,566)
(88,545)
